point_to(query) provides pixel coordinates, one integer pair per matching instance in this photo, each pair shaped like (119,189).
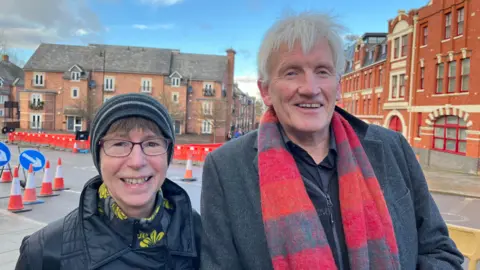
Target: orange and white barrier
(58,182)
(30,194)
(15,203)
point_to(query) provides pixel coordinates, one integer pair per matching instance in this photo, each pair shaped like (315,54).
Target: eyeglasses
(123,148)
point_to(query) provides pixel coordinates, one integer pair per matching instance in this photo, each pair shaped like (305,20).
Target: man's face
(302,88)
(133,181)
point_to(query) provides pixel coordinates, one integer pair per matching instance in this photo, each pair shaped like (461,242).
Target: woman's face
(134,180)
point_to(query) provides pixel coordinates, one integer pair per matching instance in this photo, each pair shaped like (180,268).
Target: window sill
(420,90)
(449,152)
(451,94)
(446,40)
(457,37)
(423,46)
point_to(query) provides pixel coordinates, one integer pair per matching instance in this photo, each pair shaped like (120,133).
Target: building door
(177,127)
(396,124)
(35,121)
(74,123)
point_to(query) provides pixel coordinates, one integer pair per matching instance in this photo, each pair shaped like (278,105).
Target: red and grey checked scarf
(295,236)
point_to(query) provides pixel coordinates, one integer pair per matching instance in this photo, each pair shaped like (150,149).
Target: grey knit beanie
(129,105)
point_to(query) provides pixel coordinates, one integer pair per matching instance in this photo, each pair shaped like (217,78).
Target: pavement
(457,196)
(452,183)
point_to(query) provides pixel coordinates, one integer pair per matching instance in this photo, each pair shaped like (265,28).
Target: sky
(192,26)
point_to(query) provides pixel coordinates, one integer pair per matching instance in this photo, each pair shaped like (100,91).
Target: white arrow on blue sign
(5,154)
(33,157)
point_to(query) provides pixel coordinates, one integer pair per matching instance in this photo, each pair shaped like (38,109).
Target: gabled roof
(127,59)
(10,72)
(175,73)
(76,66)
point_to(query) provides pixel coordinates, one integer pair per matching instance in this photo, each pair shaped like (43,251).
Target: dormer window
(384,48)
(75,76)
(176,82)
(370,54)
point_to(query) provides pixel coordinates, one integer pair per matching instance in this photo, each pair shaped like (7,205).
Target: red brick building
(428,94)
(364,78)
(445,122)
(66,84)
(11,81)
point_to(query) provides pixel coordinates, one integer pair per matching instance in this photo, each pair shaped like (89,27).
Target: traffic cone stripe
(6,175)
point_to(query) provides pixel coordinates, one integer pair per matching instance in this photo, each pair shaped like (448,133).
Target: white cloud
(248,84)
(161,2)
(153,26)
(82,32)
(27,23)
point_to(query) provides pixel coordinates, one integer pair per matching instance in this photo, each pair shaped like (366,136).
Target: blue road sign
(33,157)
(5,154)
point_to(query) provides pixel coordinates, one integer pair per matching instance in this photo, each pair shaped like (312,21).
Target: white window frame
(175,95)
(146,85)
(35,124)
(175,82)
(207,85)
(74,122)
(390,90)
(36,98)
(3,99)
(207,108)
(38,79)
(73,90)
(206,127)
(75,76)
(109,86)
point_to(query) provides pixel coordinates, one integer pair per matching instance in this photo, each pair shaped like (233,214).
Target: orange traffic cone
(75,148)
(58,183)
(15,203)
(188,171)
(30,194)
(47,190)
(7,174)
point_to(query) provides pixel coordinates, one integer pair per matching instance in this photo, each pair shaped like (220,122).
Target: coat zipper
(334,229)
(134,235)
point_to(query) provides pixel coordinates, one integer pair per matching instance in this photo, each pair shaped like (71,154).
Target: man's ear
(263,87)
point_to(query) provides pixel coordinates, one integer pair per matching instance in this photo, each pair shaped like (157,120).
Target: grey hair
(307,28)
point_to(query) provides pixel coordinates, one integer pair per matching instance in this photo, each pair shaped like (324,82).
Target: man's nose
(310,84)
(136,159)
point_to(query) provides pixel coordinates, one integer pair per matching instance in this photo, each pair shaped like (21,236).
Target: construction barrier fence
(196,152)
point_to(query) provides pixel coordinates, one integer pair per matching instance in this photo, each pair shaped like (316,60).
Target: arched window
(450,135)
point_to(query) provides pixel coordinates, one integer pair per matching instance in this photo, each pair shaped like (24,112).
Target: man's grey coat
(231,213)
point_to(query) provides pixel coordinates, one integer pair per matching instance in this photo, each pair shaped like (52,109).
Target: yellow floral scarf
(149,232)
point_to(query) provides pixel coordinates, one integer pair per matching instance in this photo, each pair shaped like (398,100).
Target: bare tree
(211,115)
(85,108)
(5,49)
(173,106)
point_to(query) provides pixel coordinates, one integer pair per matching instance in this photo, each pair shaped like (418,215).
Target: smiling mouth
(136,181)
(309,105)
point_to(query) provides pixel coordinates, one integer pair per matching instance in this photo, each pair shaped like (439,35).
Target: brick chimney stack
(5,58)
(230,81)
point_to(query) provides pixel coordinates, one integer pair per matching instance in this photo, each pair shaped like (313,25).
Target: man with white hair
(316,187)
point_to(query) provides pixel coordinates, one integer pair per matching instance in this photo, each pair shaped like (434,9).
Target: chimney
(5,58)
(230,82)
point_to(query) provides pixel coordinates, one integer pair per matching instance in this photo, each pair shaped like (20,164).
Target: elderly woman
(130,216)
